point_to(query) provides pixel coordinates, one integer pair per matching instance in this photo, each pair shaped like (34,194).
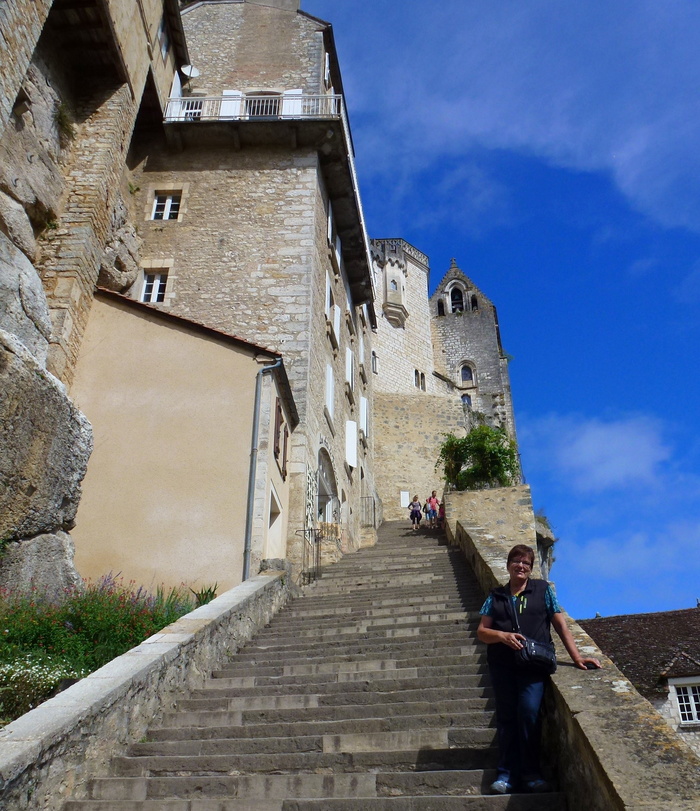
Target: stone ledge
(51,752)
(604,744)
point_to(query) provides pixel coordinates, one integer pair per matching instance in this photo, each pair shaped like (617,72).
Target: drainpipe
(253,467)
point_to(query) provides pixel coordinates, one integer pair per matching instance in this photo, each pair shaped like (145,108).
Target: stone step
(520,802)
(340,736)
(478,756)
(348,671)
(216,709)
(457,783)
(346,693)
(264,728)
(456,638)
(311,712)
(301,666)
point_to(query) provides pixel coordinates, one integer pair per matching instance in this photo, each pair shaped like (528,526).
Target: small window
(467,374)
(154,285)
(422,381)
(466,400)
(375,363)
(441,307)
(163,38)
(475,303)
(280,439)
(416,378)
(689,703)
(457,300)
(166,206)
(393,284)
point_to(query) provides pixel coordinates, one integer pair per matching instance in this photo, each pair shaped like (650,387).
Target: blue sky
(554,150)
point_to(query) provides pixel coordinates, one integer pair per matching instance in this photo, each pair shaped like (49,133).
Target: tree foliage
(486,457)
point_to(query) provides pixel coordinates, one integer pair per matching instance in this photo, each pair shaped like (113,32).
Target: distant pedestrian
(415,512)
(433,505)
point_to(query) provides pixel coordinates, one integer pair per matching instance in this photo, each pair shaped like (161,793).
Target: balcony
(237,107)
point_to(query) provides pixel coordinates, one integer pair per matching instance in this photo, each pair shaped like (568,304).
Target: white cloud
(592,454)
(606,85)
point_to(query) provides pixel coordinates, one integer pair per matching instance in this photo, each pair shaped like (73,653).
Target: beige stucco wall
(164,498)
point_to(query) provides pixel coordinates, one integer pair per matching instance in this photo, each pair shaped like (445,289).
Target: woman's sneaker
(537,786)
(501,787)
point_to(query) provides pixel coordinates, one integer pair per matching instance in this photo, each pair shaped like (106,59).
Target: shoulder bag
(537,657)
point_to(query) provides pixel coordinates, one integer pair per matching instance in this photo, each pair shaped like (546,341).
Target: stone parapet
(604,744)
(51,752)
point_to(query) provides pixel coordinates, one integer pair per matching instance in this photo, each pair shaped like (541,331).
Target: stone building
(439,366)
(660,654)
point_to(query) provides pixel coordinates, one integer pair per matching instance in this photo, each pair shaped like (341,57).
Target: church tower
(468,349)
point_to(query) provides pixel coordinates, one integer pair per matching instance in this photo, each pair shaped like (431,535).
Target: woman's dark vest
(532,618)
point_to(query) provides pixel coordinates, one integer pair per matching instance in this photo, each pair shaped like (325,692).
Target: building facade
(197,160)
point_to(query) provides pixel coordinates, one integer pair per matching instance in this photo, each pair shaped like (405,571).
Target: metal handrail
(239,107)
(311,555)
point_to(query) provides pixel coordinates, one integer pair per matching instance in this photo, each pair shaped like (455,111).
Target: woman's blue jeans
(518,698)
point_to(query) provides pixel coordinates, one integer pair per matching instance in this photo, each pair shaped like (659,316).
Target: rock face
(23,309)
(43,564)
(45,444)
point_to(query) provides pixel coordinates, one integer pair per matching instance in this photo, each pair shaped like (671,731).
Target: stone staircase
(366,693)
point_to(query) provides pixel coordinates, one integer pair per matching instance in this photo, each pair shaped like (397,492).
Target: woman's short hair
(522,550)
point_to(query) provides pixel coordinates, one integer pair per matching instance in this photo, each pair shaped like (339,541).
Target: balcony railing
(238,107)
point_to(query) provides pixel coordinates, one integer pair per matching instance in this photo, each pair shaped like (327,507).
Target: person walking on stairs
(415,512)
(518,691)
(433,504)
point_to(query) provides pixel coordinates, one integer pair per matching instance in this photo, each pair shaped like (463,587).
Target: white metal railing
(234,106)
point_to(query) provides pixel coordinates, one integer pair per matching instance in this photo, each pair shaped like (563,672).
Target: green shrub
(42,643)
(486,457)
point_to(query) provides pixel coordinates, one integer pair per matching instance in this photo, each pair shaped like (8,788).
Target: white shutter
(361,347)
(330,386)
(329,297)
(336,321)
(351,443)
(349,363)
(231,104)
(292,103)
(176,89)
(363,416)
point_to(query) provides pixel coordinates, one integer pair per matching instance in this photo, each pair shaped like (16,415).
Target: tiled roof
(650,648)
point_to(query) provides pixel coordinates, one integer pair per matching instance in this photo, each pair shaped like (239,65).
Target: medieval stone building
(183,184)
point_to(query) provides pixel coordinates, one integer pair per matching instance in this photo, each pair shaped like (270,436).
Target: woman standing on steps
(519,692)
(415,508)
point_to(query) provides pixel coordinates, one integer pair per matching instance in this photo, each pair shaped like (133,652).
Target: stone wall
(408,431)
(604,744)
(249,47)
(52,752)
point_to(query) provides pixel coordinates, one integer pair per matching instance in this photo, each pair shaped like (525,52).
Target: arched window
(466,400)
(475,303)
(422,381)
(467,374)
(393,285)
(416,378)
(457,300)
(441,307)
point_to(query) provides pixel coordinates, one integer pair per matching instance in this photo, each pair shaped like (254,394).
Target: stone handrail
(50,753)
(604,744)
